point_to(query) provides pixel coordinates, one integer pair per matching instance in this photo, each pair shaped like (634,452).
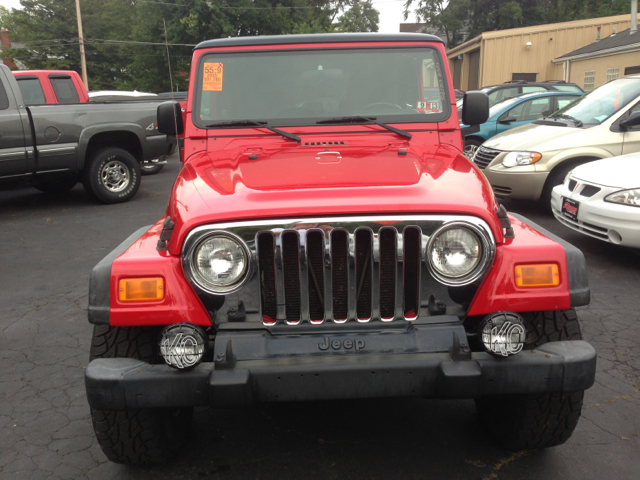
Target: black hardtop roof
(318,38)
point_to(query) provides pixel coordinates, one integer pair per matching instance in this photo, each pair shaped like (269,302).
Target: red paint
(289,179)
(498,290)
(180,303)
(47,88)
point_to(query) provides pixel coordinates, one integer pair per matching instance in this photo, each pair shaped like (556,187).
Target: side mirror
(170,118)
(475,108)
(632,120)
(507,119)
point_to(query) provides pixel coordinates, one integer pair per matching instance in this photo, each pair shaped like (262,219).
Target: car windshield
(598,105)
(304,86)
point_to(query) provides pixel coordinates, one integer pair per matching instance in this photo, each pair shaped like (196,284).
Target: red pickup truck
(49,87)
(325,239)
(45,87)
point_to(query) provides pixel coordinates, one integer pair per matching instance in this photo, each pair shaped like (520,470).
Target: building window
(612,74)
(589,80)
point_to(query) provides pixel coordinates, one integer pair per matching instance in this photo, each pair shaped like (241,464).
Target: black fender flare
(99,308)
(88,133)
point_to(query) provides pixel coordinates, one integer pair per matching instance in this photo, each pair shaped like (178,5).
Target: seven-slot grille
(316,275)
(332,269)
(484,156)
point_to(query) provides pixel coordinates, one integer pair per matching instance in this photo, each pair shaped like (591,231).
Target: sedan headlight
(458,253)
(515,159)
(625,197)
(220,262)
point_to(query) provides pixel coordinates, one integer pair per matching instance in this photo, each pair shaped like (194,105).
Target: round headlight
(457,254)
(220,262)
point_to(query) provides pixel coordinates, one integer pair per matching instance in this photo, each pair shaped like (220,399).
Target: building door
(474,70)
(457,73)
(632,70)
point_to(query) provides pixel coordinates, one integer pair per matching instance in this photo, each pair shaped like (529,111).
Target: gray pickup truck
(52,147)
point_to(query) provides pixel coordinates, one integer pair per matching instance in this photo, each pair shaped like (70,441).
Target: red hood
(294,181)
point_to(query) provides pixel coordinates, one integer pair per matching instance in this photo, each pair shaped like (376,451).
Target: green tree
(459,20)
(361,17)
(125,39)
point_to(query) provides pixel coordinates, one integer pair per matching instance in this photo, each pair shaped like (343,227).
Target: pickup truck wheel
(112,175)
(536,420)
(143,436)
(58,186)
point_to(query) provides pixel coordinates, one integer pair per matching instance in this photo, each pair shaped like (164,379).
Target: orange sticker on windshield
(212,77)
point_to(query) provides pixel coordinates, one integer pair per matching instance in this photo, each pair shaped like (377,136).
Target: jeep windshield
(303,87)
(598,105)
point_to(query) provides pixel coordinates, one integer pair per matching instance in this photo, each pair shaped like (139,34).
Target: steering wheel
(376,109)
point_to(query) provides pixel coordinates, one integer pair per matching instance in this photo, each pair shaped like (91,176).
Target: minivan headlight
(516,159)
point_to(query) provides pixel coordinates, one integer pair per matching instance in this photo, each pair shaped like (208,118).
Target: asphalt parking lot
(49,245)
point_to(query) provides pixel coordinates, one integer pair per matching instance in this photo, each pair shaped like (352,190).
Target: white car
(602,199)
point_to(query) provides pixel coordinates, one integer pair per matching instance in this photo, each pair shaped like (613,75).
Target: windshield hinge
(505,222)
(165,235)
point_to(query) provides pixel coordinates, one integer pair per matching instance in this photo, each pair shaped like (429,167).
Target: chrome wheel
(470,151)
(115,176)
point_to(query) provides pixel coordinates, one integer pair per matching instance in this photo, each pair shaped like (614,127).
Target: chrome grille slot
(484,156)
(387,272)
(412,240)
(315,254)
(291,270)
(267,276)
(339,274)
(363,274)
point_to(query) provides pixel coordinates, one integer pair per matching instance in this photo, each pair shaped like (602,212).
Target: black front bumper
(257,367)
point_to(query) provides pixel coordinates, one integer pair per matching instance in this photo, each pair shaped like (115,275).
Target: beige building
(526,53)
(603,61)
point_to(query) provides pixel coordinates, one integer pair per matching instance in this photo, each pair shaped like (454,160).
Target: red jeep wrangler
(327,239)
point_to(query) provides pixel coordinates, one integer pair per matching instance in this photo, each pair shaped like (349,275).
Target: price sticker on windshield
(212,77)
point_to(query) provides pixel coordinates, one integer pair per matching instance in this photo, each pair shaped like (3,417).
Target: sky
(390,13)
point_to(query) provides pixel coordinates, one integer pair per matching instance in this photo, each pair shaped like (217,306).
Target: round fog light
(183,345)
(503,333)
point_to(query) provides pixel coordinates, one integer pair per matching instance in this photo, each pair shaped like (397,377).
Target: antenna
(166,43)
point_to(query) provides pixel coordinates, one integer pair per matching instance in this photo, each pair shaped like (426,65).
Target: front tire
(112,175)
(141,436)
(536,420)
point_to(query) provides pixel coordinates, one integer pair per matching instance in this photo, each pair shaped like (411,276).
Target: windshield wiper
(578,123)
(364,120)
(255,123)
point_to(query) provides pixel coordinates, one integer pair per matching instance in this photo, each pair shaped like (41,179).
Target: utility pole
(83,61)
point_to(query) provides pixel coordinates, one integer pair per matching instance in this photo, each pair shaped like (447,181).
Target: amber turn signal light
(537,275)
(141,289)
